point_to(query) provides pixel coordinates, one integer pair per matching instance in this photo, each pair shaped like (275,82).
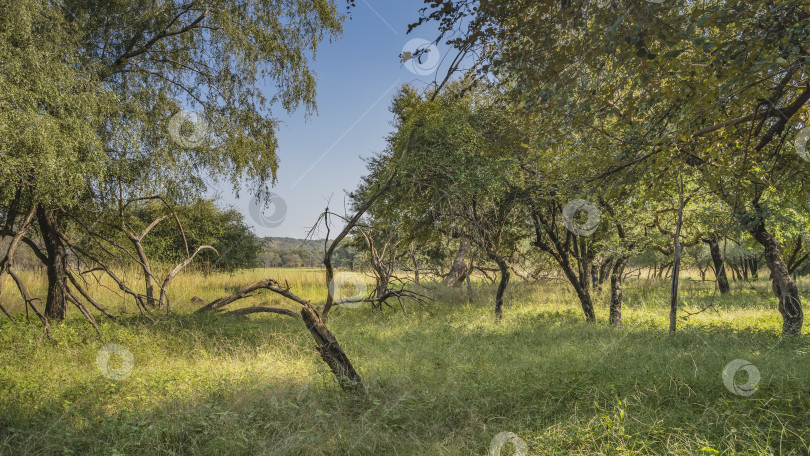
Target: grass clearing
(442,380)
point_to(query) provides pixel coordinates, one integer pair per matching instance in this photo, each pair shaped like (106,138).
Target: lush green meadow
(442,379)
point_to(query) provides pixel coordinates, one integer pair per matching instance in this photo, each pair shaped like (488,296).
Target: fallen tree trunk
(260,309)
(243,293)
(326,343)
(331,351)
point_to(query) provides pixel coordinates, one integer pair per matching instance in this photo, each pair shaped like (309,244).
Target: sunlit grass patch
(441,379)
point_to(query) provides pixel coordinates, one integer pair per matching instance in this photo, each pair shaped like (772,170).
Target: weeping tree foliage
(97,99)
(109,107)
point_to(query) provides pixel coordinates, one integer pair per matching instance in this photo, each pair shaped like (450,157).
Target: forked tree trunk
(735,271)
(458,271)
(561,255)
(616,291)
(782,284)
(56,266)
(719,265)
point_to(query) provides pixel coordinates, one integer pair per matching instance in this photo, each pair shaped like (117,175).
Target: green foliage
(49,142)
(90,90)
(204,223)
(281,252)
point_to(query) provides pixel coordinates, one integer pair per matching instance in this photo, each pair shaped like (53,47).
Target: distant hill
(287,243)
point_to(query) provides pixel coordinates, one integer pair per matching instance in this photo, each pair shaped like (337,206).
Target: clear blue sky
(321,157)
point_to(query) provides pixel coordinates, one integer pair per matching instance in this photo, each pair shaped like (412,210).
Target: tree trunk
(504,268)
(458,271)
(582,294)
(616,291)
(147,271)
(561,255)
(604,270)
(56,266)
(676,269)
(585,273)
(719,265)
(469,286)
(676,264)
(326,344)
(331,352)
(754,268)
(595,277)
(782,284)
(735,271)
(415,269)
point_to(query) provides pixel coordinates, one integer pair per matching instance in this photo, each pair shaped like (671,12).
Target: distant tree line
(281,252)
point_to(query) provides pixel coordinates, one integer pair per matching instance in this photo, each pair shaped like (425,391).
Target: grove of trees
(568,139)
(595,133)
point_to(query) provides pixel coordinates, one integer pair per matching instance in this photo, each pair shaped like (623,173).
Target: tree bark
(719,265)
(735,271)
(504,268)
(458,271)
(469,284)
(415,269)
(331,352)
(782,284)
(604,270)
(259,309)
(56,266)
(616,291)
(754,268)
(676,263)
(561,255)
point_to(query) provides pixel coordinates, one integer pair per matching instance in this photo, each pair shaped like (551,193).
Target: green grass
(442,380)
